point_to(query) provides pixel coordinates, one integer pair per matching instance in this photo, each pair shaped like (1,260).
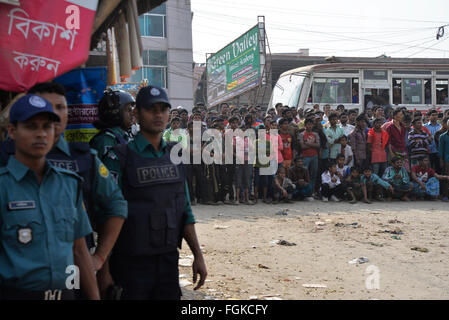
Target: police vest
(155,191)
(118,137)
(82,162)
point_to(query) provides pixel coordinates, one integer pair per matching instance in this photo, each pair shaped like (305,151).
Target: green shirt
(105,141)
(106,196)
(145,149)
(38,226)
(332,137)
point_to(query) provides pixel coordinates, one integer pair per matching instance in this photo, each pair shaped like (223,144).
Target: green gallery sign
(234,69)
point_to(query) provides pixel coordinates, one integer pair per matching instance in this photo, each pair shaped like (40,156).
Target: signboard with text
(42,39)
(234,69)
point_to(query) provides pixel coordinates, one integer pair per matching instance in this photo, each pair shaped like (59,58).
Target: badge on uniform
(24,235)
(104,172)
(20,205)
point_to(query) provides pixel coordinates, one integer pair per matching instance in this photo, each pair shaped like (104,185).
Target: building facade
(167,51)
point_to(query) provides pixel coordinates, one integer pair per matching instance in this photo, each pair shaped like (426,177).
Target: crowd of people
(329,155)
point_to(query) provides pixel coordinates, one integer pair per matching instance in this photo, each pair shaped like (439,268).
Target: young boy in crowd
(374,184)
(342,169)
(397,176)
(287,140)
(300,177)
(331,186)
(283,187)
(377,142)
(346,150)
(355,187)
(426,180)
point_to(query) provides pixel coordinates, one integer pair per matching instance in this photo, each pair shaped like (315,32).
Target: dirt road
(246,258)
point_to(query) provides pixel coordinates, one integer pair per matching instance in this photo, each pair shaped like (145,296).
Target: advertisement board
(234,69)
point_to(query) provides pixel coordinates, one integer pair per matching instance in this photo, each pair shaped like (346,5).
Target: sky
(397,28)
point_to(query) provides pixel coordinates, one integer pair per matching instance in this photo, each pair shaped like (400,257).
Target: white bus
(362,85)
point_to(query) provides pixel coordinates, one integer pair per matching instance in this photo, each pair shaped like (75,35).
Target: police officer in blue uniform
(144,260)
(42,218)
(115,113)
(103,199)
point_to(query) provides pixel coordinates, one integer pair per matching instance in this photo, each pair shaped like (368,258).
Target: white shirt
(348,128)
(327,178)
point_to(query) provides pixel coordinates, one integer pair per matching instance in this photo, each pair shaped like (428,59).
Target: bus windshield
(287,90)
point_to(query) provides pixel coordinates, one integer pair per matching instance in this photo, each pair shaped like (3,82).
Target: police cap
(30,105)
(147,96)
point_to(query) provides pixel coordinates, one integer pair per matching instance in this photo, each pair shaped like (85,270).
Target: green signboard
(234,69)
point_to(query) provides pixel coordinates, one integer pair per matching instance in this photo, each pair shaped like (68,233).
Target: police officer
(103,199)
(115,112)
(42,219)
(144,260)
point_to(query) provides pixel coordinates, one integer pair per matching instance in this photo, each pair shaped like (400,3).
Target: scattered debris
(185,262)
(396,237)
(261,266)
(252,298)
(359,260)
(254,247)
(272,298)
(420,249)
(181,276)
(354,225)
(271,295)
(282,212)
(394,221)
(286,243)
(395,231)
(307,285)
(320,223)
(218,227)
(376,244)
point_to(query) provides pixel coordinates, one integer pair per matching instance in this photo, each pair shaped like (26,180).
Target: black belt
(8,293)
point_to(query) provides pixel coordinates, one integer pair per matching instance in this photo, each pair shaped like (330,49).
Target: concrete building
(167,57)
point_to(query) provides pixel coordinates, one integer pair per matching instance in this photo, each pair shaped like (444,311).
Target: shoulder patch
(103,171)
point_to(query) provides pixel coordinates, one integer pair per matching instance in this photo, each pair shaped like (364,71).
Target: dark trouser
(444,184)
(153,277)
(358,192)
(373,190)
(322,166)
(211,182)
(196,171)
(400,190)
(327,191)
(262,181)
(220,175)
(435,162)
(277,193)
(379,168)
(229,180)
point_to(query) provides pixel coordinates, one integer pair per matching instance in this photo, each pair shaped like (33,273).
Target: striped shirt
(418,142)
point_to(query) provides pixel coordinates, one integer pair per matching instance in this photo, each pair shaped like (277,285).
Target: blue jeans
(311,163)
(379,168)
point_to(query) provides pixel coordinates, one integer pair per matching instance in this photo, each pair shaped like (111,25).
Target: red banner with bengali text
(41,39)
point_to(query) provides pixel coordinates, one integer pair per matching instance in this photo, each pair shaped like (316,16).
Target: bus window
(332,90)
(427,91)
(397,87)
(413,91)
(355,90)
(287,90)
(442,89)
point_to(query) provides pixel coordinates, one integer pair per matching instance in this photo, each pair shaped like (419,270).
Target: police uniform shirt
(106,196)
(106,141)
(38,226)
(145,149)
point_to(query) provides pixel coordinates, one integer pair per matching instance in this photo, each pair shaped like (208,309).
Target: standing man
(397,133)
(42,219)
(444,161)
(357,141)
(115,113)
(333,135)
(347,128)
(103,200)
(434,127)
(145,258)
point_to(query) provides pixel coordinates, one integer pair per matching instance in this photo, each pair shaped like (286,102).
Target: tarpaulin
(41,39)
